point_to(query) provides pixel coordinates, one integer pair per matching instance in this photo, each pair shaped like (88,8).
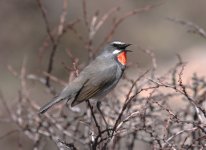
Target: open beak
(127,45)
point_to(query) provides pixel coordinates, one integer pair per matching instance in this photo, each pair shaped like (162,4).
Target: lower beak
(128,50)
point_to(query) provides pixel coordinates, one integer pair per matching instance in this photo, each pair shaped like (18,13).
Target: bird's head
(117,50)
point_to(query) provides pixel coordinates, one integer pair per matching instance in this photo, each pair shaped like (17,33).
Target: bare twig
(193,28)
(120,20)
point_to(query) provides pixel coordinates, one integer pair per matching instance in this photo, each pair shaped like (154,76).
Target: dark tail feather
(55,100)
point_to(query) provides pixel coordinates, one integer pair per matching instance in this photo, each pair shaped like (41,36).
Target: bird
(97,79)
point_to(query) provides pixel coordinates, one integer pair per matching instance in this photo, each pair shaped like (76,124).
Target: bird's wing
(97,83)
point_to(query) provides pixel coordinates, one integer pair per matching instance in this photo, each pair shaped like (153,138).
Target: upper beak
(127,45)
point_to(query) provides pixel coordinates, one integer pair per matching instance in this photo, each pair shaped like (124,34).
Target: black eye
(115,45)
(120,45)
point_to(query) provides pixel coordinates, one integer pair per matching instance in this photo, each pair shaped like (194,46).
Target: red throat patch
(122,58)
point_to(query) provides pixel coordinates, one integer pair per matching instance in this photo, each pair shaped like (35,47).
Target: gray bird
(96,79)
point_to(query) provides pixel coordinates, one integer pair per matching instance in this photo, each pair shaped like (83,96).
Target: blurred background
(22,33)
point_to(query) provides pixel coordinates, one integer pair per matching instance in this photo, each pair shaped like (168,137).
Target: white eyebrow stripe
(116,51)
(118,42)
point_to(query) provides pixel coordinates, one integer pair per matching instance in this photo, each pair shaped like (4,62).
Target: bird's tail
(55,100)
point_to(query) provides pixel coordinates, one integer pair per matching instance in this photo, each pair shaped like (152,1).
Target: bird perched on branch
(96,79)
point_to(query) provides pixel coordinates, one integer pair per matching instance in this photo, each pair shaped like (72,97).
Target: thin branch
(127,101)
(193,28)
(85,17)
(46,21)
(93,116)
(8,134)
(120,20)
